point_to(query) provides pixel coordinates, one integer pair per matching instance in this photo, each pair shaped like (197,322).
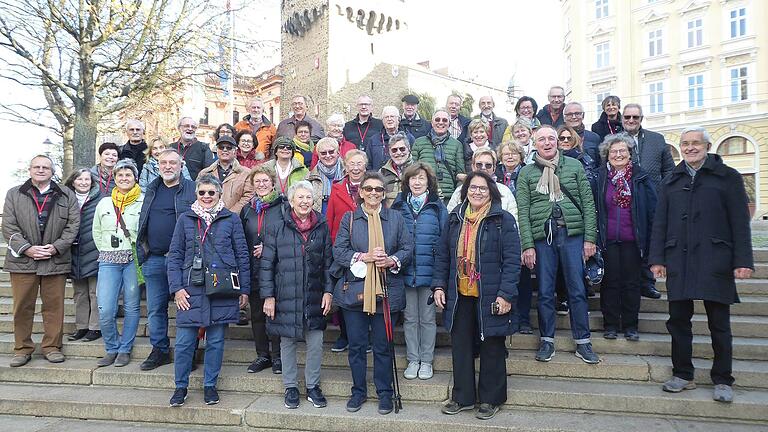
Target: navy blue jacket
(417,126)
(185,196)
(591,143)
(377,148)
(498,249)
(85,256)
(425,229)
(643,207)
(224,248)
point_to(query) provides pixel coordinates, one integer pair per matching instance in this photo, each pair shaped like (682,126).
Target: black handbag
(219,282)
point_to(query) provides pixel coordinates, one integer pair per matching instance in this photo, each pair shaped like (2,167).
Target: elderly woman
(399,159)
(478,135)
(521,133)
(302,142)
(526,108)
(103,171)
(480,238)
(372,246)
(85,265)
(425,216)
(208,252)
(323,175)
(335,128)
(288,169)
(377,145)
(236,192)
(296,286)
(264,210)
(247,155)
(627,200)
(115,224)
(151,169)
(610,120)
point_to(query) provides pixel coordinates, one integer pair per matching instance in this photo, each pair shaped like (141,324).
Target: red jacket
(339,202)
(249,160)
(344,147)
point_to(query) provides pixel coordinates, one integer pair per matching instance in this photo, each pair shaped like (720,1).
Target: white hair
(303,184)
(704,134)
(390,109)
(335,118)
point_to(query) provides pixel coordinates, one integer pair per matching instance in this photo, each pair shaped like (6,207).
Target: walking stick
(389,326)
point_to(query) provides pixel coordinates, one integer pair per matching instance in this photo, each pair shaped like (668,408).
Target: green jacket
(424,151)
(534,208)
(298,173)
(105,224)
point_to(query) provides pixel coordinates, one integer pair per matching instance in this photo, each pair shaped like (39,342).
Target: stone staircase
(622,393)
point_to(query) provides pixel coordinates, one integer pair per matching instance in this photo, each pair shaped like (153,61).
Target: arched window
(675,153)
(736,145)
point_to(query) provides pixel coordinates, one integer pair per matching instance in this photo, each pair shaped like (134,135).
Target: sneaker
(677,384)
(425,371)
(77,335)
(546,351)
(315,395)
(561,308)
(20,360)
(291,398)
(92,335)
(340,345)
(584,352)
(723,393)
(631,335)
(610,334)
(487,411)
(259,364)
(54,357)
(385,405)
(277,366)
(106,360)
(122,359)
(526,329)
(453,407)
(242,319)
(412,371)
(210,395)
(355,402)
(179,396)
(156,359)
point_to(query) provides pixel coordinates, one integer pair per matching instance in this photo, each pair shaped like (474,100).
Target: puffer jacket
(236,190)
(446,170)
(498,258)
(296,273)
(85,256)
(535,208)
(21,231)
(224,248)
(425,228)
(255,228)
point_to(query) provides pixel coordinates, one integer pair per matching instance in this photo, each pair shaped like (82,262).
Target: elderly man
(441,152)
(165,199)
(135,147)
(40,222)
(197,155)
(701,242)
(258,124)
(651,153)
(411,122)
(557,227)
(496,125)
(364,125)
(376,148)
(574,117)
(236,190)
(399,149)
(484,159)
(552,113)
(459,124)
(287,127)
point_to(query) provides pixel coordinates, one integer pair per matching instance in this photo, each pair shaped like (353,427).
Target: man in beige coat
(237,191)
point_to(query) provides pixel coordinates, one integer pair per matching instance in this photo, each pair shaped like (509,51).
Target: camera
(114,241)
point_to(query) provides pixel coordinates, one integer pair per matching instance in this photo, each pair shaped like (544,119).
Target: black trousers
(259,328)
(620,293)
(492,385)
(679,326)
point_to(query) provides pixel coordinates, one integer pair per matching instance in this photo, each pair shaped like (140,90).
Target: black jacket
(653,155)
(254,234)
(604,127)
(185,196)
(417,126)
(360,133)
(701,232)
(85,256)
(545,117)
(135,153)
(296,273)
(196,156)
(464,123)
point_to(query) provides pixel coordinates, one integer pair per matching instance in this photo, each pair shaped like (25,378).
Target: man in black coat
(196,155)
(135,147)
(411,122)
(552,113)
(701,242)
(360,129)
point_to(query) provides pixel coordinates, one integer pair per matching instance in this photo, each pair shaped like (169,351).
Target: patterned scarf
(549,184)
(304,226)
(622,194)
(372,286)
(328,175)
(417,202)
(437,143)
(465,252)
(207,215)
(122,200)
(259,204)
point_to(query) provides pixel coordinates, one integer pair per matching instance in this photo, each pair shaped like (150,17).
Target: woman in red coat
(344,194)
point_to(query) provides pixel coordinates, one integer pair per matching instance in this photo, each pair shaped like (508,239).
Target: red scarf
(622,194)
(305,226)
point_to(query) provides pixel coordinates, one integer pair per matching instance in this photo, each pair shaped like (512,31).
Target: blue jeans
(114,279)
(184,353)
(568,252)
(358,323)
(521,313)
(156,280)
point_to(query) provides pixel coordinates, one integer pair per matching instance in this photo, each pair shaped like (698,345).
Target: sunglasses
(284,147)
(564,138)
(480,165)
(441,120)
(632,117)
(226,148)
(327,153)
(398,150)
(370,189)
(203,192)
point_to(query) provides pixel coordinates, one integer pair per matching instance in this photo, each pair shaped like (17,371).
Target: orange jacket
(265,135)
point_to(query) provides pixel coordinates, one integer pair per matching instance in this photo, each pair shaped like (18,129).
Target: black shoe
(291,398)
(340,345)
(259,365)
(561,308)
(385,405)
(584,352)
(591,291)
(210,395)
(92,335)
(355,403)
(610,334)
(315,395)
(77,335)
(453,407)
(277,366)
(156,359)
(243,318)
(487,411)
(650,292)
(526,329)
(546,351)
(631,335)
(179,396)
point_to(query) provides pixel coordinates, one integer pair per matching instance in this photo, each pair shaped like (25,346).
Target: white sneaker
(412,371)
(425,371)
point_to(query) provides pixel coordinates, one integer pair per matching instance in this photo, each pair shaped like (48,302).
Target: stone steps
(758,286)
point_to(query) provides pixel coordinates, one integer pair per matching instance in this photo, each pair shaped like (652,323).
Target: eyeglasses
(226,148)
(402,150)
(355,164)
(377,189)
(481,165)
(262,181)
(564,138)
(632,117)
(440,120)
(284,147)
(557,96)
(203,192)
(327,153)
(481,189)
(574,114)
(618,151)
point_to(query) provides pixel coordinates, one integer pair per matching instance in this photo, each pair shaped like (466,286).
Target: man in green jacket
(557,226)
(444,154)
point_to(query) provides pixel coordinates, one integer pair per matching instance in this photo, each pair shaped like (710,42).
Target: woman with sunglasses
(480,240)
(484,160)
(335,127)
(324,174)
(399,149)
(208,243)
(372,246)
(236,192)
(288,169)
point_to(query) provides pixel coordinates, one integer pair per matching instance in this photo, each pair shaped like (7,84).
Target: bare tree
(93,58)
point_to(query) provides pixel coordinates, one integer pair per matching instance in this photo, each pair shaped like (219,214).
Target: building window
(599,102)
(738,22)
(235,116)
(695,33)
(739,84)
(656,92)
(204,119)
(736,145)
(602,55)
(654,43)
(696,91)
(601,9)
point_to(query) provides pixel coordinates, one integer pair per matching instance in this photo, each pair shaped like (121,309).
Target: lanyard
(259,222)
(203,234)
(105,189)
(363,134)
(184,155)
(354,201)
(118,215)
(40,207)
(282,183)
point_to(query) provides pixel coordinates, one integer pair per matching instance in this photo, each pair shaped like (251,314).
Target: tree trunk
(69,151)
(83,139)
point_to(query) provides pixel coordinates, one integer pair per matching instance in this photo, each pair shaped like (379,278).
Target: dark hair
(302,123)
(246,132)
(70,182)
(492,189)
(216,134)
(412,171)
(108,146)
(372,175)
(528,99)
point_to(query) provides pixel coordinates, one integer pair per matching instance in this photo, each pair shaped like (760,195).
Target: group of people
(382,217)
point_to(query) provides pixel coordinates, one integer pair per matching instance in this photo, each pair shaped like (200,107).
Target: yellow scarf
(372,286)
(465,252)
(122,200)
